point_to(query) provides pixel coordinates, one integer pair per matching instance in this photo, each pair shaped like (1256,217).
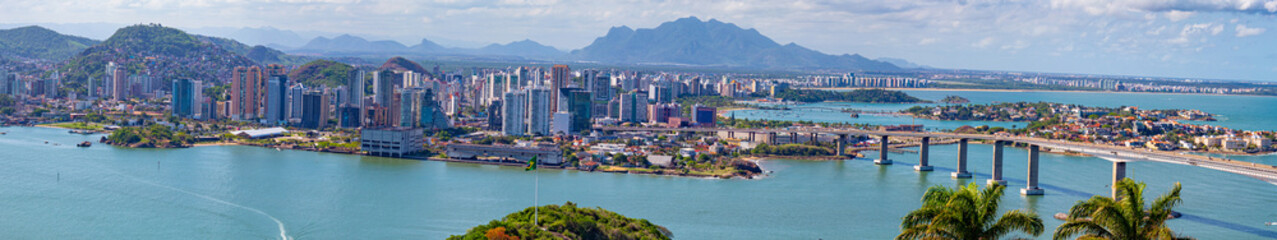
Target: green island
(565,222)
(153,136)
(951,99)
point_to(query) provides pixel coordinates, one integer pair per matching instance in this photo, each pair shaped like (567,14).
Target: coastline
(1028,90)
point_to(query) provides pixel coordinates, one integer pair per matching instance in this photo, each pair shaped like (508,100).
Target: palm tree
(966,213)
(1124,218)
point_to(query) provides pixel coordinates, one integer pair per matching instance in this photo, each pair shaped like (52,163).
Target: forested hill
(167,53)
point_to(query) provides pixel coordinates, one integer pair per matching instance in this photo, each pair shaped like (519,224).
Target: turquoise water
(236,192)
(1237,112)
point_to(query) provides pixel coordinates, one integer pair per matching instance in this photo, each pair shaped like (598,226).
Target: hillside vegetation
(34,42)
(321,72)
(566,222)
(166,53)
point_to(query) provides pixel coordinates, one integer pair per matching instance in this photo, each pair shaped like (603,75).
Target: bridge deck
(1262,172)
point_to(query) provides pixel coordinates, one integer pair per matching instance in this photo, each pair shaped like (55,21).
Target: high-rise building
(494,116)
(295,102)
(355,91)
(383,88)
(431,114)
(601,86)
(513,116)
(5,83)
(244,92)
(581,108)
(92,89)
(187,98)
(315,110)
(704,116)
(108,78)
(410,101)
(560,77)
(277,100)
(661,113)
(119,84)
(633,107)
(539,110)
(349,116)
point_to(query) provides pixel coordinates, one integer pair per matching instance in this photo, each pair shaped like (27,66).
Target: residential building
(560,77)
(244,92)
(514,112)
(315,110)
(277,100)
(187,98)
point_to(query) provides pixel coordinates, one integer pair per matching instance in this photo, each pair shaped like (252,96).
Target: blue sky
(1218,39)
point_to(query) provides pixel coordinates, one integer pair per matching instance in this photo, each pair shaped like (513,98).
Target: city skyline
(1188,39)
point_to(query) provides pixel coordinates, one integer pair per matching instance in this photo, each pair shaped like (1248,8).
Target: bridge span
(1116,154)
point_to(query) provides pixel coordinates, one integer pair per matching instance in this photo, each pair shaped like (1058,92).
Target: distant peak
(691,19)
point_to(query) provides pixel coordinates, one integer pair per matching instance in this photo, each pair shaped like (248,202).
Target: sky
(1209,39)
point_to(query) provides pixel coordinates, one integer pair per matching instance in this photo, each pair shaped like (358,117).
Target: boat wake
(283,233)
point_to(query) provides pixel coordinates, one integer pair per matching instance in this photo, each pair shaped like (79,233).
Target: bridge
(1116,154)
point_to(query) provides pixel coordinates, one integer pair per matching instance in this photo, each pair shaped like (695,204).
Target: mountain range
(684,42)
(690,41)
(345,44)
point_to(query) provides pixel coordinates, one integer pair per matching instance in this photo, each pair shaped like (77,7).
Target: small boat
(84,144)
(277,149)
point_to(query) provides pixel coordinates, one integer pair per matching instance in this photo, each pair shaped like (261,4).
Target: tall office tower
(431,114)
(410,107)
(355,93)
(277,100)
(513,116)
(187,98)
(119,84)
(383,88)
(92,89)
(601,87)
(633,107)
(349,116)
(539,110)
(581,108)
(494,116)
(4,81)
(108,80)
(244,92)
(51,86)
(525,78)
(267,72)
(295,102)
(410,79)
(12,85)
(315,109)
(560,77)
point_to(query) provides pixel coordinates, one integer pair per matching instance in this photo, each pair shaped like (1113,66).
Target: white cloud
(1176,15)
(1243,31)
(1098,7)
(983,43)
(927,41)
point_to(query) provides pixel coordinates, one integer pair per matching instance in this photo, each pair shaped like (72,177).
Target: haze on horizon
(1213,39)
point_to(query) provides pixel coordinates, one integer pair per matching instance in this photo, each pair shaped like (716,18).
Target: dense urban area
(183,91)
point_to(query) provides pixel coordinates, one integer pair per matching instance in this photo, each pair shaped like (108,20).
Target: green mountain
(34,42)
(566,222)
(325,72)
(165,53)
(690,41)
